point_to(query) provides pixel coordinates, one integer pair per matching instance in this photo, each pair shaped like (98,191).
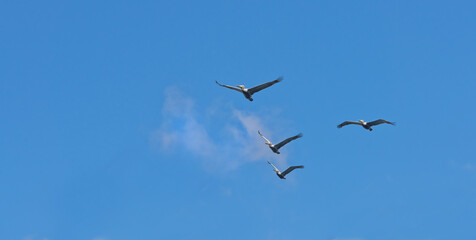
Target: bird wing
(230,87)
(291,169)
(287,140)
(347,123)
(380,121)
(263,137)
(273,166)
(264,85)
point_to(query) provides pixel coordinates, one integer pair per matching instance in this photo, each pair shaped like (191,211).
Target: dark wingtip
(279,79)
(300,135)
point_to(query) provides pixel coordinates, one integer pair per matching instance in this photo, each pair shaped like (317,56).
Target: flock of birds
(248,93)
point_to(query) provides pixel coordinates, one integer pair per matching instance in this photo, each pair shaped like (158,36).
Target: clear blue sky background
(112,126)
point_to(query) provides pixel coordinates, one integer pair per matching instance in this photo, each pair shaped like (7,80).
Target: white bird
(366,125)
(248,92)
(276,147)
(283,174)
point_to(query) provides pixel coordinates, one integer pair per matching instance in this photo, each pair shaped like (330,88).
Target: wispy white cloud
(222,139)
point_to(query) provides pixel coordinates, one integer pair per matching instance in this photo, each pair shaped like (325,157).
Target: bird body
(366,125)
(248,92)
(287,171)
(280,175)
(275,148)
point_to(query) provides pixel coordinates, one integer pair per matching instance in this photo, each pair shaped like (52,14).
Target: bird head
(269,144)
(362,121)
(241,86)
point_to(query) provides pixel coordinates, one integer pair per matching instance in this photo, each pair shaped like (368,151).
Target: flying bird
(366,125)
(248,92)
(276,147)
(283,174)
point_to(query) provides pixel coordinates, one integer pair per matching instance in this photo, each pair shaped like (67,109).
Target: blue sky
(112,126)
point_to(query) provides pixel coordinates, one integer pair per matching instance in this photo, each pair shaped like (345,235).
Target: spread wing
(263,137)
(347,123)
(287,140)
(290,169)
(380,121)
(230,87)
(264,85)
(274,166)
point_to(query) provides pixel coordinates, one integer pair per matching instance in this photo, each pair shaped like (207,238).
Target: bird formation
(248,93)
